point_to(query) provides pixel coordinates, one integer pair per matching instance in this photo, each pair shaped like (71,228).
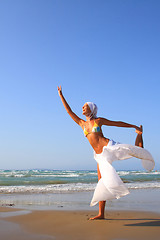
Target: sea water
(73,189)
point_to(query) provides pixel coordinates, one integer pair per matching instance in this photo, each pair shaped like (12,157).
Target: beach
(46,225)
(44,205)
(73,190)
(74,76)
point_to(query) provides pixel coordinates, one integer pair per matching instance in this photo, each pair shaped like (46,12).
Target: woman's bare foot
(139,139)
(141,128)
(97,217)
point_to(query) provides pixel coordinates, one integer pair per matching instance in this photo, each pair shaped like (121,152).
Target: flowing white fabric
(110,186)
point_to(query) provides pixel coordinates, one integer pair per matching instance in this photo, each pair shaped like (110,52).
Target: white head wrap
(93,109)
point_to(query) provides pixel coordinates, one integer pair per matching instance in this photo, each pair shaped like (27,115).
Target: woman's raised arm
(68,109)
(104,121)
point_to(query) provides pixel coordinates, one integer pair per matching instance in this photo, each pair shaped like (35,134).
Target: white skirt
(110,186)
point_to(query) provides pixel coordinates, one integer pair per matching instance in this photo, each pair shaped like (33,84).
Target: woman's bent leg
(139,139)
(101,203)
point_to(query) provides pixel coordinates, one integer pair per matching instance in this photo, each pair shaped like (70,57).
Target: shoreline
(65,217)
(137,200)
(45,225)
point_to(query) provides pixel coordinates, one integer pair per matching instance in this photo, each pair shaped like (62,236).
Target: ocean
(66,189)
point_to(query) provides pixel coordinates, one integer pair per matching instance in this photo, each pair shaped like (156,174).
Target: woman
(109,186)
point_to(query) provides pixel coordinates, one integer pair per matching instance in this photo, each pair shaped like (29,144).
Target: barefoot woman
(109,186)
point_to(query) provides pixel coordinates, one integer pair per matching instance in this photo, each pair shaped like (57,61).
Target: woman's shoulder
(100,121)
(82,123)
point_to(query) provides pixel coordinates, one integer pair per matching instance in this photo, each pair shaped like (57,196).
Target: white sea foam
(69,188)
(57,188)
(143,185)
(50,181)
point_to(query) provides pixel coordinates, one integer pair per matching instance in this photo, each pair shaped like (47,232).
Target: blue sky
(107,52)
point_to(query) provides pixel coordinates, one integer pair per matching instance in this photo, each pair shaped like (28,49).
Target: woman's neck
(89,118)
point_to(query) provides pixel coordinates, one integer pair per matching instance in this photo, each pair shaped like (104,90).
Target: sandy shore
(45,225)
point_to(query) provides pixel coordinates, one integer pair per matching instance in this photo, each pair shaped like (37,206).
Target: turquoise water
(52,181)
(73,190)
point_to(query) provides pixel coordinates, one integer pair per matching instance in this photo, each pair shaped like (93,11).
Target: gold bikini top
(95,128)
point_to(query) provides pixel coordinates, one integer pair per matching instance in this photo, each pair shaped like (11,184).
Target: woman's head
(90,110)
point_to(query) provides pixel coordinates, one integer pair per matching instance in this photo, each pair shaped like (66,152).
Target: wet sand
(45,225)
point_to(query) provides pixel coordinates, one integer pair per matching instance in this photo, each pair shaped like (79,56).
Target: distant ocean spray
(54,181)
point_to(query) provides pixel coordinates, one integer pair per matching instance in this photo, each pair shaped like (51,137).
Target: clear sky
(105,51)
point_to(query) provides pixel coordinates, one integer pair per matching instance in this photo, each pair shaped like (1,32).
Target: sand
(67,225)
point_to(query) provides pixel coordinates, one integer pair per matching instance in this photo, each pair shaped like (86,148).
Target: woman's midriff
(98,142)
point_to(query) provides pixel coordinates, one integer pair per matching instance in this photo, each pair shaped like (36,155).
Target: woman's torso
(92,130)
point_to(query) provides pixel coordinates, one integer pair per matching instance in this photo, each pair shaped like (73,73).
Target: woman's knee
(99,174)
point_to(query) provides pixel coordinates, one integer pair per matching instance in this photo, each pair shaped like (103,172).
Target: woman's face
(86,110)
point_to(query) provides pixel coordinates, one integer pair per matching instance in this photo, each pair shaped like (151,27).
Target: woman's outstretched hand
(59,90)
(139,130)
